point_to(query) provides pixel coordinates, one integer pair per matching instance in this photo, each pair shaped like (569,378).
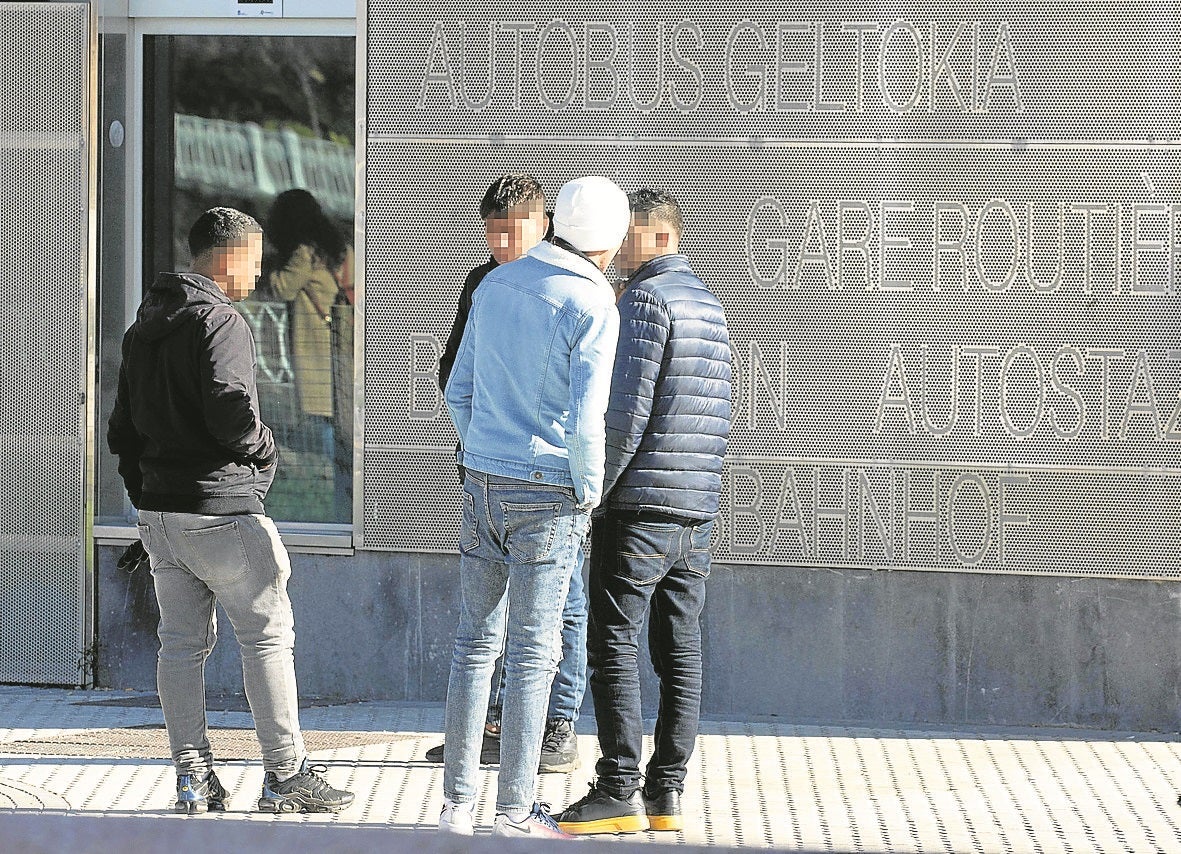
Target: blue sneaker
(196,794)
(307,791)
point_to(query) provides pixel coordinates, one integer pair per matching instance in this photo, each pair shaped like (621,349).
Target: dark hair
(220,227)
(508,191)
(296,219)
(657,204)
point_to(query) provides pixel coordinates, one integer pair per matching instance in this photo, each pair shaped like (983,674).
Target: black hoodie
(186,426)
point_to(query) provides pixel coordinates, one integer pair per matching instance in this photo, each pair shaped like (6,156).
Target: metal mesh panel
(45,75)
(947,240)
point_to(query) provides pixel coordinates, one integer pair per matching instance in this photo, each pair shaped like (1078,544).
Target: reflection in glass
(266,125)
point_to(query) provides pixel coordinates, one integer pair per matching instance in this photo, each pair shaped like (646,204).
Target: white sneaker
(459,819)
(538,824)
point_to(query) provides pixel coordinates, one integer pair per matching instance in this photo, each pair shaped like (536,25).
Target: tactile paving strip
(22,797)
(150,741)
(765,784)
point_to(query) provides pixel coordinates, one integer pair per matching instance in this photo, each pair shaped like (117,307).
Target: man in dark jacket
(515,220)
(198,461)
(667,425)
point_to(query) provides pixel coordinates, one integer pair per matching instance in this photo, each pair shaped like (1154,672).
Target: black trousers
(643,563)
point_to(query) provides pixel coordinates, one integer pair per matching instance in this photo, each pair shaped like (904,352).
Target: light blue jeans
(565,697)
(239,561)
(519,543)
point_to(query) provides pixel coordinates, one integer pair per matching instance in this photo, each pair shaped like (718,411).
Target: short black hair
(657,204)
(508,191)
(220,227)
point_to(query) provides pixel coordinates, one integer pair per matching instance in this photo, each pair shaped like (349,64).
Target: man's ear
(662,239)
(219,259)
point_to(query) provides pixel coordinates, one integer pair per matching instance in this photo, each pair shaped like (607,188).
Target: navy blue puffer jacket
(669,414)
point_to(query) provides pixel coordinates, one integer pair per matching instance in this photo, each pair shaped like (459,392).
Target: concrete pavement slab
(100,756)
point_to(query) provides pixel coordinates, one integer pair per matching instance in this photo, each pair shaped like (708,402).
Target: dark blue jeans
(641,563)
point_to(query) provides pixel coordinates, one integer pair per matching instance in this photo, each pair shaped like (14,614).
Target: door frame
(313,538)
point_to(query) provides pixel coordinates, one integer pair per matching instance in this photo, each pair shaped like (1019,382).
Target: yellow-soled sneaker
(664,809)
(602,812)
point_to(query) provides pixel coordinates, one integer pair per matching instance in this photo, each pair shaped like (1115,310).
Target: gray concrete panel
(789,639)
(804,645)
(897,642)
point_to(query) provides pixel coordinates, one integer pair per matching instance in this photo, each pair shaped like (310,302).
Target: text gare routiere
(751,66)
(997,246)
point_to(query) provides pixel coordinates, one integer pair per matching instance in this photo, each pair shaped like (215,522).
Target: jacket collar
(670,263)
(548,253)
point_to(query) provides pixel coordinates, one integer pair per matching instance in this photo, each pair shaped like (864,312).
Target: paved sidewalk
(764,784)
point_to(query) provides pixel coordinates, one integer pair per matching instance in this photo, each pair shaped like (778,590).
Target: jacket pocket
(530,530)
(217,554)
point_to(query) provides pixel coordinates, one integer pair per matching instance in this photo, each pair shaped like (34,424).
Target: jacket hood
(174,299)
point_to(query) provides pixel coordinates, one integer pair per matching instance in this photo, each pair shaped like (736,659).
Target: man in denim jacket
(515,220)
(528,394)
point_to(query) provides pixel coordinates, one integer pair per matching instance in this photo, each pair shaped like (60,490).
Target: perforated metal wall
(46,76)
(947,238)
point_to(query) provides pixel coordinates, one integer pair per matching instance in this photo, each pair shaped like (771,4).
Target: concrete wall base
(807,645)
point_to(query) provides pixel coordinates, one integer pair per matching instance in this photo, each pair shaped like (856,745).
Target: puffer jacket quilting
(669,414)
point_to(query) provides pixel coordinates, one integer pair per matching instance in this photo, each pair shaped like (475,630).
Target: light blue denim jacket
(529,389)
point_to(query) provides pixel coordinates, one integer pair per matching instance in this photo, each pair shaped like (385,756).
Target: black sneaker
(664,809)
(601,812)
(307,791)
(559,747)
(199,794)
(489,750)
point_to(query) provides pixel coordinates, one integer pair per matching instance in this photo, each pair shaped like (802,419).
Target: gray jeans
(239,561)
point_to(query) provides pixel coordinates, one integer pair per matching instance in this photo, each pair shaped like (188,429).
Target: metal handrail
(214,155)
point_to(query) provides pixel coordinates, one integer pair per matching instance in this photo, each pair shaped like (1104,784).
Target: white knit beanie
(592,214)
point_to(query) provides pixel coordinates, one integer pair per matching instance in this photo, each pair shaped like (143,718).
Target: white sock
(449,804)
(518,816)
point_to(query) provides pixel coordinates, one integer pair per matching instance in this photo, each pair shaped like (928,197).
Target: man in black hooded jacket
(197,462)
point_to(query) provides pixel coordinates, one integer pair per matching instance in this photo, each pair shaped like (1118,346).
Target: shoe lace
(541,814)
(554,735)
(316,783)
(591,795)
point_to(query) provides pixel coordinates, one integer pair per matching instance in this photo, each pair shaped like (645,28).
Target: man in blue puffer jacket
(667,424)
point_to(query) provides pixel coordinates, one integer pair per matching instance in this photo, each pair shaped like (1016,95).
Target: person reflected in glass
(310,268)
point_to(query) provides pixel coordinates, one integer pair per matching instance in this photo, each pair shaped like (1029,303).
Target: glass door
(260,116)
